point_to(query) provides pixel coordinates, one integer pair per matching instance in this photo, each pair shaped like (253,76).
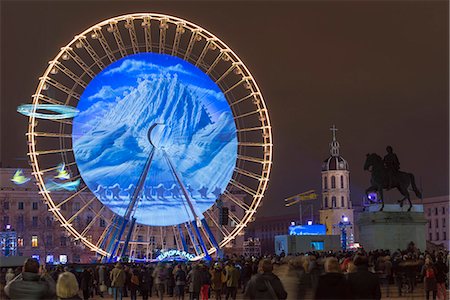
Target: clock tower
(336,204)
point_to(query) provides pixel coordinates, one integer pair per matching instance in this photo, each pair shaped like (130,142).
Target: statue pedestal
(393,228)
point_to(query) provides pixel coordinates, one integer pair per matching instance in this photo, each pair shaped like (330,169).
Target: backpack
(135,279)
(430,273)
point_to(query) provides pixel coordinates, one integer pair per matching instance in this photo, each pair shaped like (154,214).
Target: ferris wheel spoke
(62,87)
(227,72)
(244,80)
(216,61)
(195,37)
(76,58)
(98,35)
(249,174)
(77,79)
(132,32)
(47,99)
(209,45)
(94,219)
(81,210)
(250,96)
(162,35)
(176,41)
(77,193)
(253,128)
(52,134)
(42,152)
(236,200)
(147,33)
(116,33)
(90,50)
(222,229)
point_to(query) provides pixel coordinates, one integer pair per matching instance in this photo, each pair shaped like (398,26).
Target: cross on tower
(334,129)
(334,145)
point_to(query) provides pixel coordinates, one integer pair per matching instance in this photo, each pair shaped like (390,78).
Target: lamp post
(343,224)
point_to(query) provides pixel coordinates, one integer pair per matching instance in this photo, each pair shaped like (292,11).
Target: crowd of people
(314,275)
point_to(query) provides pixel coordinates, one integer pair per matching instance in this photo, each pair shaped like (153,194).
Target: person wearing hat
(118,278)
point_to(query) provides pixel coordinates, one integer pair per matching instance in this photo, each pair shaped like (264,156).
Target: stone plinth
(393,228)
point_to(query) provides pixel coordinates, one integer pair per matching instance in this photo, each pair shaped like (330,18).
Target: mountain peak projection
(193,135)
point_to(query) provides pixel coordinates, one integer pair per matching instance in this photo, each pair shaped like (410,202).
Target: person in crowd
(134,284)
(362,283)
(232,280)
(32,283)
(146,283)
(117,277)
(67,287)
(217,279)
(160,278)
(429,278)
(314,271)
(441,276)
(205,281)
(170,280)
(180,282)
(265,284)
(101,279)
(332,284)
(246,274)
(127,281)
(195,282)
(9,275)
(86,283)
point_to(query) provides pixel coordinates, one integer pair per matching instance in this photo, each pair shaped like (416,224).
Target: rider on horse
(392,166)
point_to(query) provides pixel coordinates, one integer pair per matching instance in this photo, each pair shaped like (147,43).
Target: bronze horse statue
(380,180)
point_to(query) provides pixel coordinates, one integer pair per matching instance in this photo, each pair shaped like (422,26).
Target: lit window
(35,205)
(34,241)
(333,182)
(20,242)
(20,205)
(89,238)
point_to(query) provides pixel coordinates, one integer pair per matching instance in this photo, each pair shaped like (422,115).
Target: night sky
(378,70)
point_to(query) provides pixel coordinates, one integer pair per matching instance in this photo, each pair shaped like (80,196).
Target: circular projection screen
(159,111)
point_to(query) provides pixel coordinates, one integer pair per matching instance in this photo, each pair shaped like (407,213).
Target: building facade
(436,210)
(336,203)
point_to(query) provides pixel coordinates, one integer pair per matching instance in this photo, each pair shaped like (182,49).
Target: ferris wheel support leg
(117,238)
(183,240)
(194,241)
(200,239)
(212,238)
(127,241)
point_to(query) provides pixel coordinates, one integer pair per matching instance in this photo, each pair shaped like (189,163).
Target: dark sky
(378,70)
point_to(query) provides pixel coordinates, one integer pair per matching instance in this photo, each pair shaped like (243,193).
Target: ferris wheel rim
(33,153)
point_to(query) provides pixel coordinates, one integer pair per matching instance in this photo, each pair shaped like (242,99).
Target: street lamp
(343,224)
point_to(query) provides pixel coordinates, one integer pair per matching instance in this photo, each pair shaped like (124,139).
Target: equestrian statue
(386,175)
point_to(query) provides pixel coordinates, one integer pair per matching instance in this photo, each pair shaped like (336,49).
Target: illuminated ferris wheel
(155,127)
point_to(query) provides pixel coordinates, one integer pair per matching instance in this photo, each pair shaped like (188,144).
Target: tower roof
(334,161)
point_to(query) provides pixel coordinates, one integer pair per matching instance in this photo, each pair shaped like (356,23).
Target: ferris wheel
(154,126)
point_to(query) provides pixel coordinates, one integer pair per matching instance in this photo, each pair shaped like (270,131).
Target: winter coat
(332,286)
(86,280)
(216,279)
(363,284)
(232,276)
(31,286)
(195,280)
(259,285)
(118,277)
(430,283)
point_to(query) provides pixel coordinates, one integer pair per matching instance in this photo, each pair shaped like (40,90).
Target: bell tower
(336,203)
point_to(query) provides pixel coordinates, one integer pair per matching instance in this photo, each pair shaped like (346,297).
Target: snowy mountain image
(192,137)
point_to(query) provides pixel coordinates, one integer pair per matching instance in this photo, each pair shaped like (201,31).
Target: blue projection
(159,106)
